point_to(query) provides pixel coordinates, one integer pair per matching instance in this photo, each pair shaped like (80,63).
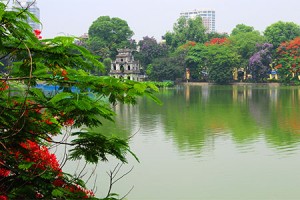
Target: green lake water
(210,142)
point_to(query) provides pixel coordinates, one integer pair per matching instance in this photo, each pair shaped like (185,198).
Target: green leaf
(140,87)
(25,166)
(57,193)
(37,93)
(61,96)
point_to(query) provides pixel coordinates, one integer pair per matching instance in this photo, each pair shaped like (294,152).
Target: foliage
(166,68)
(245,43)
(217,41)
(164,84)
(181,53)
(281,32)
(260,62)
(31,118)
(241,28)
(217,60)
(288,61)
(186,30)
(149,49)
(212,35)
(107,63)
(107,34)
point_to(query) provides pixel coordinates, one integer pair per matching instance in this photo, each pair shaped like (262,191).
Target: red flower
(69,122)
(64,73)
(3,197)
(37,33)
(47,121)
(58,183)
(41,156)
(3,86)
(216,41)
(4,172)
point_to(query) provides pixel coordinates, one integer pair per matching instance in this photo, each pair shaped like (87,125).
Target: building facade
(125,66)
(32,8)
(208,18)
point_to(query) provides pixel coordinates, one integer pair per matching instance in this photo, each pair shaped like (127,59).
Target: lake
(210,142)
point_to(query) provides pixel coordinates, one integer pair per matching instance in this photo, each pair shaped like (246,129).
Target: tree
(107,63)
(288,61)
(107,34)
(218,60)
(149,49)
(31,118)
(241,28)
(186,30)
(281,32)
(165,68)
(245,43)
(212,35)
(260,62)
(217,41)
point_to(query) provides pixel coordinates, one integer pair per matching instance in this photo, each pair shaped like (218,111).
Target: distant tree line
(207,56)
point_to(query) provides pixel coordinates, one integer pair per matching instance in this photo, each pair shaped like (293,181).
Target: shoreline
(238,83)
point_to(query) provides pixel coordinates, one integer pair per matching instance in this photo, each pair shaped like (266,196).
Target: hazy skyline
(156,17)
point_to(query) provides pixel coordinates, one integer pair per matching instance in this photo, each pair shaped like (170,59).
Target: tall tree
(245,44)
(186,30)
(165,68)
(107,34)
(149,49)
(288,61)
(218,60)
(281,32)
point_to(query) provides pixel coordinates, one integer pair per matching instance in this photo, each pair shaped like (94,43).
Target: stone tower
(125,66)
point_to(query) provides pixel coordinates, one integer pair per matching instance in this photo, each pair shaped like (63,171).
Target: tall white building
(208,18)
(32,8)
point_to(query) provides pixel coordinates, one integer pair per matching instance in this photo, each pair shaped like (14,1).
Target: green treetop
(281,32)
(107,34)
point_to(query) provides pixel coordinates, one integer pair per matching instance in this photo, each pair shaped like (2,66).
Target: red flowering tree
(30,117)
(288,61)
(214,41)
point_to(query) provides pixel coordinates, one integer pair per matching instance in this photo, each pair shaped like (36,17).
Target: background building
(32,8)
(207,15)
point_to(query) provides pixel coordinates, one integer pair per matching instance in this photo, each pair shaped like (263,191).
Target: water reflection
(194,116)
(213,142)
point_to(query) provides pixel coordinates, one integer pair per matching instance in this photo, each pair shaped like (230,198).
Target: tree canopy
(186,30)
(107,34)
(241,28)
(260,62)
(281,32)
(245,44)
(149,49)
(217,60)
(288,61)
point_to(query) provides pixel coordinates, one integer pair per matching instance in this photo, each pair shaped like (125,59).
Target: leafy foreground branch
(31,118)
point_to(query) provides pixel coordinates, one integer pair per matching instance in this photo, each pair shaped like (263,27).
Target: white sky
(156,17)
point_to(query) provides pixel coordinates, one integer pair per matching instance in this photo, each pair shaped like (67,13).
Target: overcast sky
(156,17)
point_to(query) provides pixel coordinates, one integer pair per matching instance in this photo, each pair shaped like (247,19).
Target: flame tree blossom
(288,61)
(214,41)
